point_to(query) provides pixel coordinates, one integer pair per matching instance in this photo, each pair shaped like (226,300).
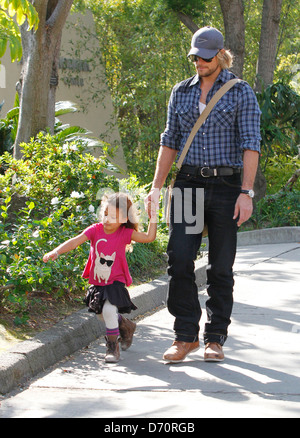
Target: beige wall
(9,77)
(82,81)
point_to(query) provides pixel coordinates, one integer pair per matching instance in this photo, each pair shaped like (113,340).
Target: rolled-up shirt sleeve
(171,137)
(248,120)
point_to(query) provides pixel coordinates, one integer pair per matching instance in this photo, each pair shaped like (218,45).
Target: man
(228,141)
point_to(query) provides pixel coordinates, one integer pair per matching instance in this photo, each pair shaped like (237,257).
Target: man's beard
(206,73)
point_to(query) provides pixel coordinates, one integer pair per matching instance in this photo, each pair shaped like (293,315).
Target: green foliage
(144,49)
(279,170)
(281,206)
(21,10)
(8,128)
(189,7)
(52,168)
(59,183)
(144,256)
(278,210)
(280,120)
(288,70)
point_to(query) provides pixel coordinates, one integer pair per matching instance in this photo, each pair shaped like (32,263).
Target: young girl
(107,268)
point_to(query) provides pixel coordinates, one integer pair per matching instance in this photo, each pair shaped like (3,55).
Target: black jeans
(220,194)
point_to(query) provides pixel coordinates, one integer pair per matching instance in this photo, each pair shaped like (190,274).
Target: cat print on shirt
(103,264)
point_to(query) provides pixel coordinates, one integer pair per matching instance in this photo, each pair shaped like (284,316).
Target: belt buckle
(201,172)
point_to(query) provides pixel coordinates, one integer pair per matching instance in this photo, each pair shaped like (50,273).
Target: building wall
(81,80)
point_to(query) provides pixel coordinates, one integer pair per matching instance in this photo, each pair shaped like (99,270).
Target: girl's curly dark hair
(125,205)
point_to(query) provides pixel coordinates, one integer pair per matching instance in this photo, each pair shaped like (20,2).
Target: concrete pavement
(260,376)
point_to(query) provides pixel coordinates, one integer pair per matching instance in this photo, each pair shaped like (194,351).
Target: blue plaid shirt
(232,126)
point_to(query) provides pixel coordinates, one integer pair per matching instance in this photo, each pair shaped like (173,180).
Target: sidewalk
(260,376)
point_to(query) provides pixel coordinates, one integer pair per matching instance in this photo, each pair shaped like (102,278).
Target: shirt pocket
(187,116)
(224,114)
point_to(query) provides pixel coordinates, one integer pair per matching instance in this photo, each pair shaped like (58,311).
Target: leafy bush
(51,171)
(281,209)
(279,170)
(280,120)
(58,184)
(281,206)
(8,129)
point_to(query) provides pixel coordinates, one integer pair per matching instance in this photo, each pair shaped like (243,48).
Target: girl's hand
(152,211)
(152,198)
(150,235)
(53,255)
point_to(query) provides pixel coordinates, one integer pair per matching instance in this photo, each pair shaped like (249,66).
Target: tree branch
(6,287)
(187,21)
(57,19)
(292,180)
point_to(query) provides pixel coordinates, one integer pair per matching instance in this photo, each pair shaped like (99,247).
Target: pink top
(107,260)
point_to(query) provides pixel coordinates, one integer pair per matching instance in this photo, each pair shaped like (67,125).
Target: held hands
(152,212)
(243,207)
(152,202)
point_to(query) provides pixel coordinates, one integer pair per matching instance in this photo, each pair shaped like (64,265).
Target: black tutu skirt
(116,293)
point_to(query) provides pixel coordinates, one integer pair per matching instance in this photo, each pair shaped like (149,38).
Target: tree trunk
(233,17)
(39,74)
(260,184)
(266,64)
(268,44)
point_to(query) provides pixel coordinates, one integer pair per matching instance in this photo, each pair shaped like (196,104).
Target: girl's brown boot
(112,349)
(127,329)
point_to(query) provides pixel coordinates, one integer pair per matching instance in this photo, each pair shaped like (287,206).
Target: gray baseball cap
(206,42)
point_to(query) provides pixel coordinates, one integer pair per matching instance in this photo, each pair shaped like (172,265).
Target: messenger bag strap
(217,96)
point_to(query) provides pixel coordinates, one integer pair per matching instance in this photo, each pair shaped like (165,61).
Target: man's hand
(152,200)
(243,209)
(165,159)
(244,205)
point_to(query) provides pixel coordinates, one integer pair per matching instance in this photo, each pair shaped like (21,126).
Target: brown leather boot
(179,350)
(213,352)
(112,350)
(127,329)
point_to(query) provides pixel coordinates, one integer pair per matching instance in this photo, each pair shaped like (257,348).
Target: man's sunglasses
(194,58)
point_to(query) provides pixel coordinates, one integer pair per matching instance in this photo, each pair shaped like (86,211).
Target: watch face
(250,193)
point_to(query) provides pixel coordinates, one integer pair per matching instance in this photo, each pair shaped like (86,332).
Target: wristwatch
(250,193)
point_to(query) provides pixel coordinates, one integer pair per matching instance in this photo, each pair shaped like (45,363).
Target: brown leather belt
(207,172)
